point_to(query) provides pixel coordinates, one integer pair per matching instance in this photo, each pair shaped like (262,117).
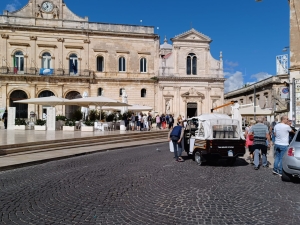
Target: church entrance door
(191,110)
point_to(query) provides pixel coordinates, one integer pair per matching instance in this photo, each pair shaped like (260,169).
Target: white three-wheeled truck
(212,137)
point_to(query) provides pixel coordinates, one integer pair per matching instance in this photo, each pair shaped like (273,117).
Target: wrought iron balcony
(44,72)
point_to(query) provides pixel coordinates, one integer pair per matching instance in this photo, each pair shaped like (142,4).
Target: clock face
(47,6)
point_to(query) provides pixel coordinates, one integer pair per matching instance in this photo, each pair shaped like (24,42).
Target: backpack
(176,132)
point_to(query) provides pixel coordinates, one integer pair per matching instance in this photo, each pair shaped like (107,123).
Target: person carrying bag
(176,135)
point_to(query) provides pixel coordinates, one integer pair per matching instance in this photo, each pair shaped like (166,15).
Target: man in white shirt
(281,131)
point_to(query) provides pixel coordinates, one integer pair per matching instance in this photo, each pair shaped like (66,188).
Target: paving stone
(140,185)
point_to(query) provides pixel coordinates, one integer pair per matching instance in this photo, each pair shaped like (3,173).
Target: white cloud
(229,65)
(234,81)
(260,76)
(13,6)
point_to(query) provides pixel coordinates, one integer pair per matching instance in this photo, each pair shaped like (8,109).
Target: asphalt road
(142,185)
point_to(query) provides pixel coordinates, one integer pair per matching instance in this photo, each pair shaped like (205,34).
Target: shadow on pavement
(219,163)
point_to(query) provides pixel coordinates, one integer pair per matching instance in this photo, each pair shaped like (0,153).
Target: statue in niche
(168,107)
(38,12)
(55,12)
(124,96)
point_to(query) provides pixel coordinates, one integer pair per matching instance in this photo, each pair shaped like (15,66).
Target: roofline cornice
(190,79)
(270,80)
(76,31)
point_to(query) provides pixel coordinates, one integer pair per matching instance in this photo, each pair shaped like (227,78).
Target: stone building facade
(45,49)
(267,93)
(295,59)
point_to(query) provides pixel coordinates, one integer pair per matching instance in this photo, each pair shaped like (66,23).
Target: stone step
(18,145)
(78,142)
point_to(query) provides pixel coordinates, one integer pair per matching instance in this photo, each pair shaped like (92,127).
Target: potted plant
(69,125)
(20,124)
(88,125)
(77,115)
(40,124)
(111,117)
(60,121)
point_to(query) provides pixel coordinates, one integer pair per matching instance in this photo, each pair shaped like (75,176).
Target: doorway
(192,109)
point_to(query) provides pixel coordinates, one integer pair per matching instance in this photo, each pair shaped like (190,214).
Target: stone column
(208,100)
(161,99)
(177,103)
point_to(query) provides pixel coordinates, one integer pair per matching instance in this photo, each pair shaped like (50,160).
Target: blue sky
(250,34)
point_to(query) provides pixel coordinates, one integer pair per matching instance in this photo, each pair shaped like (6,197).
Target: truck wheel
(231,162)
(198,158)
(285,176)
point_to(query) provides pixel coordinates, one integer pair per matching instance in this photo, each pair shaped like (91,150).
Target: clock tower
(48,9)
(55,10)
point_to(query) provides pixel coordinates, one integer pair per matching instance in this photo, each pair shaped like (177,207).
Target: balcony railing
(45,72)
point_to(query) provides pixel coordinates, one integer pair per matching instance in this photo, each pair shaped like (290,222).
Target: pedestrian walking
(293,132)
(261,135)
(132,121)
(157,118)
(281,131)
(163,121)
(176,135)
(273,124)
(4,117)
(138,125)
(125,118)
(149,121)
(249,140)
(171,121)
(145,122)
(140,122)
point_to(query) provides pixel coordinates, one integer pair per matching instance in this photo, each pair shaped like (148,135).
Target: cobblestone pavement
(145,186)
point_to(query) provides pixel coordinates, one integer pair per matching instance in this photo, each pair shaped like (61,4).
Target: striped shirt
(259,130)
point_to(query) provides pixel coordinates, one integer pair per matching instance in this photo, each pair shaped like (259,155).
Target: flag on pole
(15,66)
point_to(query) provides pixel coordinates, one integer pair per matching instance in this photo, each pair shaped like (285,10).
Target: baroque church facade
(46,50)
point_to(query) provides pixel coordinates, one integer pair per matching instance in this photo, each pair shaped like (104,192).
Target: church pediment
(192,93)
(192,35)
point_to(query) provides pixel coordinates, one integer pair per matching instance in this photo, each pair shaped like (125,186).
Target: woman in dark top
(4,117)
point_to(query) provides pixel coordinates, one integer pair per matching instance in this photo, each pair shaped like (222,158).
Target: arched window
(46,60)
(122,64)
(100,91)
(191,64)
(73,64)
(100,64)
(19,62)
(143,93)
(143,65)
(70,109)
(21,109)
(46,94)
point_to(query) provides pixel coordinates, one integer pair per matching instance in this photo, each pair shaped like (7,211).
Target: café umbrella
(99,101)
(51,101)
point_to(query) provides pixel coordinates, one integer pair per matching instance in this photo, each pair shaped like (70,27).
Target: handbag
(251,137)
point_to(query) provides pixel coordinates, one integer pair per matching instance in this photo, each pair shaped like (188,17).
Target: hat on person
(252,122)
